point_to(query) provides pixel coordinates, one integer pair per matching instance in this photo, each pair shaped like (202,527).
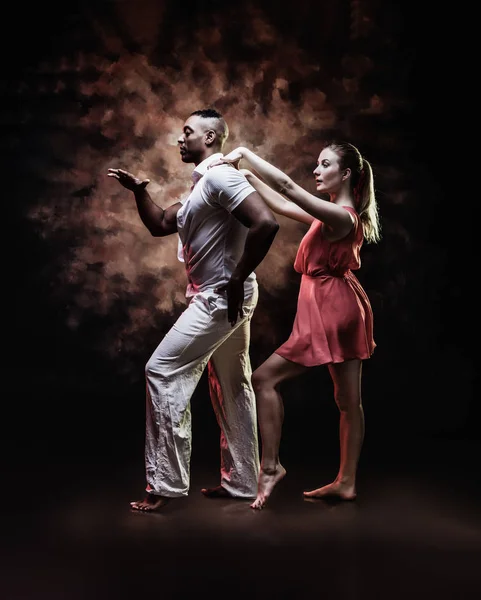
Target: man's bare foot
(216,492)
(268,479)
(150,503)
(336,489)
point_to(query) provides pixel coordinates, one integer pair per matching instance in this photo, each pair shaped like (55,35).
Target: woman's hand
(232,158)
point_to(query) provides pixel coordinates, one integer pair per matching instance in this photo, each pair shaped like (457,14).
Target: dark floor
(414,532)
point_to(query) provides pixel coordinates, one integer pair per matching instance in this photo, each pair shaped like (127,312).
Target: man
(225,230)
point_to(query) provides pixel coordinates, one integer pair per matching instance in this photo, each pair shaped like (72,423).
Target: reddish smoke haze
(132,113)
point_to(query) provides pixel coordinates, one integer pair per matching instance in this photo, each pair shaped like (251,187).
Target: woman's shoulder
(350,209)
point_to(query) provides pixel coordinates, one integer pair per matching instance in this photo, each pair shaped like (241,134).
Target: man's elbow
(162,228)
(275,227)
(269,227)
(155,231)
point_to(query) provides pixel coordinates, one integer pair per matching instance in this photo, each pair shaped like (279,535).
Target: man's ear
(210,137)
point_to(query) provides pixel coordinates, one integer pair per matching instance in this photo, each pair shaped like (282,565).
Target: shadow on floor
(414,532)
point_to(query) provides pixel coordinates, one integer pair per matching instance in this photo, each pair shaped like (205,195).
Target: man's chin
(185,158)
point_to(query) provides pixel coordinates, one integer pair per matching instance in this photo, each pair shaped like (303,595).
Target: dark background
(72,400)
(88,295)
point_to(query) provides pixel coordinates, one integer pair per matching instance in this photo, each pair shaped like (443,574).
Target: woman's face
(328,174)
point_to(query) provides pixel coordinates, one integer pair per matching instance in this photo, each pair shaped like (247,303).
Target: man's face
(192,141)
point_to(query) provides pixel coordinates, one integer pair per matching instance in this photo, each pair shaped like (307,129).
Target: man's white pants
(202,336)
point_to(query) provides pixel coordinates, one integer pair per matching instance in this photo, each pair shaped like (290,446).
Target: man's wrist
(237,278)
(139,189)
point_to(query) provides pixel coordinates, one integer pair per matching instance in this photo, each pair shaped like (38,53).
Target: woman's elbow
(285,185)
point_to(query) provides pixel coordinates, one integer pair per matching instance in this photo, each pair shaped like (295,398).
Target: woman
(333,324)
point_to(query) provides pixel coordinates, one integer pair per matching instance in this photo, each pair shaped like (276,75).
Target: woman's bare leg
(346,378)
(270,412)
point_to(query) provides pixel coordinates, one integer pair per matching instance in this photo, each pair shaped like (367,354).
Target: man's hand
(232,158)
(235,299)
(128,180)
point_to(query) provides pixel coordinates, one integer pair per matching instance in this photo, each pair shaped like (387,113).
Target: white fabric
(202,335)
(211,239)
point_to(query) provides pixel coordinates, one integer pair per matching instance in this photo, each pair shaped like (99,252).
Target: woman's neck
(344,198)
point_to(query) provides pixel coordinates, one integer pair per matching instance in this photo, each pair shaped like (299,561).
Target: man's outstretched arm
(158,221)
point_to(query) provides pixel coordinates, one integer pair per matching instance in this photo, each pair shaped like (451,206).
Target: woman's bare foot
(150,503)
(268,479)
(337,489)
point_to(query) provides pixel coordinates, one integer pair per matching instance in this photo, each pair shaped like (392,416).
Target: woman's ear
(347,174)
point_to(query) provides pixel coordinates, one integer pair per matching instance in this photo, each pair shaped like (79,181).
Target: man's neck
(208,153)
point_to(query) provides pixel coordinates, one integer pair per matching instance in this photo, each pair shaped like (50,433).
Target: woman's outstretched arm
(336,217)
(276,202)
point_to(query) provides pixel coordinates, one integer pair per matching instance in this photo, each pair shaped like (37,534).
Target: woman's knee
(261,379)
(348,402)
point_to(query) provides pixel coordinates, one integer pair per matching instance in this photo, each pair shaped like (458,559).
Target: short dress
(334,320)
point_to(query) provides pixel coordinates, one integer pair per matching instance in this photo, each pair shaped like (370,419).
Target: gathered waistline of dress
(326,273)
